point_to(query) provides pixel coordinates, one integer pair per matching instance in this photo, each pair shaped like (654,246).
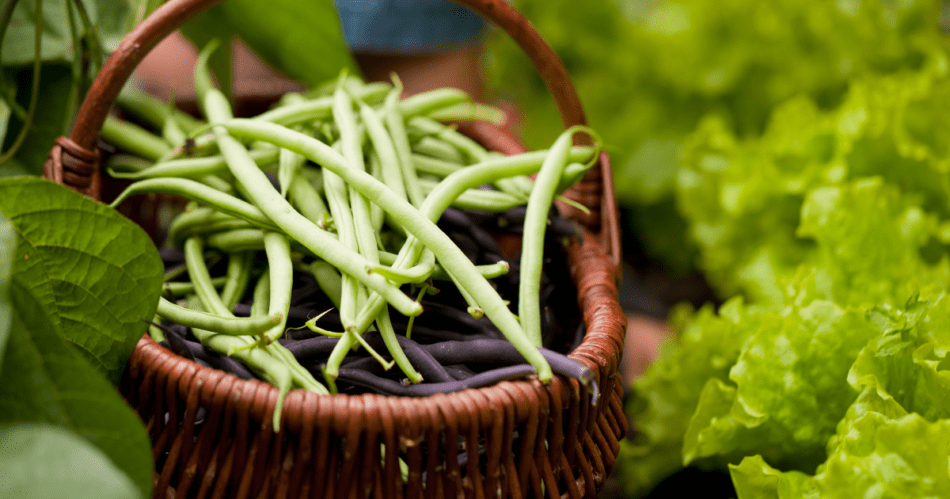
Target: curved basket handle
(71,158)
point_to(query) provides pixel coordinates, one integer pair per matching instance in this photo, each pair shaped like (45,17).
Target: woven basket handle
(74,160)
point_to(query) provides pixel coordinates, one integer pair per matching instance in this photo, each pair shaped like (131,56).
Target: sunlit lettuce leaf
(664,400)
(649,71)
(782,394)
(869,241)
(881,451)
(909,362)
(745,200)
(790,389)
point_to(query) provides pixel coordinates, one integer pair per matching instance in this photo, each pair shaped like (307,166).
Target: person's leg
(460,68)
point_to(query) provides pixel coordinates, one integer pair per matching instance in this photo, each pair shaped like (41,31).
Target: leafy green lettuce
(744,200)
(76,282)
(833,370)
(648,72)
(893,440)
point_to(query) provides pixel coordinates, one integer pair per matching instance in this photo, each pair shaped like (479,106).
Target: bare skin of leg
(169,68)
(460,68)
(645,337)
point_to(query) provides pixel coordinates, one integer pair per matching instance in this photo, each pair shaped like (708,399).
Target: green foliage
(833,225)
(73,45)
(83,261)
(892,440)
(302,40)
(76,282)
(46,462)
(755,206)
(45,380)
(649,71)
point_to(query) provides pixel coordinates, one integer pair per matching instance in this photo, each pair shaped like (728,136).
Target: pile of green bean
(347,182)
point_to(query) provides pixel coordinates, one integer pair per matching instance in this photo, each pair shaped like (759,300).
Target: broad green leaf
(13,168)
(46,462)
(112,18)
(302,40)
(97,275)
(108,17)
(44,379)
(139,10)
(19,45)
(7,249)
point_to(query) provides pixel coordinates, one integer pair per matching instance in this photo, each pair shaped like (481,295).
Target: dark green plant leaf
(138,10)
(302,40)
(46,462)
(44,379)
(97,275)
(53,112)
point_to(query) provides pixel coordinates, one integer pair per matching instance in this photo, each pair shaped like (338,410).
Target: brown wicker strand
(434,486)
(219,422)
(224,451)
(391,481)
(454,484)
(323,413)
(468,422)
(589,480)
(75,166)
(187,434)
(371,474)
(510,486)
(567,475)
(526,399)
(493,424)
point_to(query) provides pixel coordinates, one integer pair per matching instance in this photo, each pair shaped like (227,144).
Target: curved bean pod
(235,326)
(201,193)
(294,224)
(535,223)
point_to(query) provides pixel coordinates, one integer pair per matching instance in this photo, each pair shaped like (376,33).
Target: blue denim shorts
(408,26)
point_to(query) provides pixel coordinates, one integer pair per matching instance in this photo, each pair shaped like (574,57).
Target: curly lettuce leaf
(882,451)
(789,389)
(663,401)
(745,200)
(782,387)
(681,61)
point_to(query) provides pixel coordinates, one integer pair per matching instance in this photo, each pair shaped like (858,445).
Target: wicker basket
(212,434)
